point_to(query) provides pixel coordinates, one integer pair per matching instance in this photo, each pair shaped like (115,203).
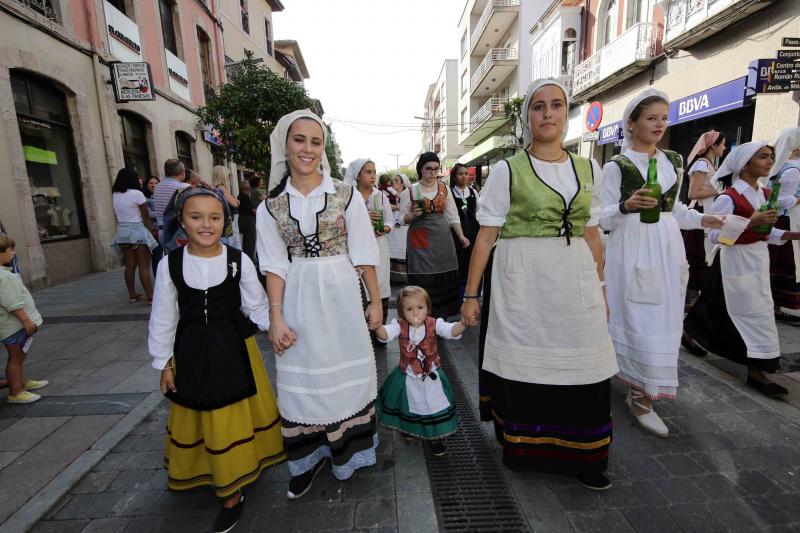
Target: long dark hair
(727,181)
(145,190)
(127,178)
(278,189)
(454,173)
(720,140)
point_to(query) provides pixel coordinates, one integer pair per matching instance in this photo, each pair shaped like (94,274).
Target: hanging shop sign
(132,82)
(610,133)
(709,102)
(594,116)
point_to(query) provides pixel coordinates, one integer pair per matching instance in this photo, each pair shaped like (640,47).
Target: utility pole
(396,160)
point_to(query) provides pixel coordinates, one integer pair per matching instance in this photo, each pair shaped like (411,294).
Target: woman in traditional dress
(466,199)
(734,315)
(430,212)
(548,351)
(783,269)
(646,267)
(313,233)
(223,427)
(361,175)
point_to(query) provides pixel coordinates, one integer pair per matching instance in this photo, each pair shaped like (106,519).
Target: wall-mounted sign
(178,76)
(610,133)
(594,116)
(781,87)
(132,81)
(123,35)
(709,102)
(590,136)
(788,54)
(758,74)
(791,41)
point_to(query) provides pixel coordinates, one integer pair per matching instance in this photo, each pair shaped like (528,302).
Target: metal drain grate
(469,489)
(77,319)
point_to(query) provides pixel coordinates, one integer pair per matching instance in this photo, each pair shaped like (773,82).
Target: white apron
(330,373)
(425,397)
(748,297)
(382,270)
(547,320)
(794,225)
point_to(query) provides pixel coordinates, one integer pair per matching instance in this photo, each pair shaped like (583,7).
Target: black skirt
(443,290)
(785,289)
(710,325)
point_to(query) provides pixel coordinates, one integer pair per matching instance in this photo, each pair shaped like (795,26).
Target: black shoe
(768,388)
(692,347)
(228,517)
(301,484)
(786,317)
(437,448)
(594,481)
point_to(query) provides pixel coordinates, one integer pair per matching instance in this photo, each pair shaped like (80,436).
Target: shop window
(184,144)
(245,16)
(45,8)
(206,64)
(134,144)
(167,12)
(50,160)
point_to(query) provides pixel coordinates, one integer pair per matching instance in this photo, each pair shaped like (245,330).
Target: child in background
(416,398)
(19,320)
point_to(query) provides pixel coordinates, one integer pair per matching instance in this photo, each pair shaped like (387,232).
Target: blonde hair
(412,290)
(6,242)
(220,175)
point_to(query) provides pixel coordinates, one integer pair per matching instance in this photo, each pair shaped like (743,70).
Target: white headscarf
(353,170)
(277,143)
(736,161)
(787,142)
(627,138)
(406,181)
(532,88)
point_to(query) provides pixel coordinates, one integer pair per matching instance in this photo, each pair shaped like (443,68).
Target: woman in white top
(361,175)
(646,267)
(135,236)
(313,234)
(548,354)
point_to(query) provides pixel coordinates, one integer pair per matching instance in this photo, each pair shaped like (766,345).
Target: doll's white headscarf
(353,170)
(532,88)
(277,143)
(787,142)
(627,138)
(736,161)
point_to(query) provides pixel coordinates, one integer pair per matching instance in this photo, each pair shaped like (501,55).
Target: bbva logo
(690,105)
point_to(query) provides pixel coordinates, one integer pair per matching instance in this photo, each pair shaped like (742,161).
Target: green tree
(408,171)
(513,110)
(248,107)
(330,153)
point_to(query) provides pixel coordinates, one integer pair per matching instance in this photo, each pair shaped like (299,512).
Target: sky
(371,62)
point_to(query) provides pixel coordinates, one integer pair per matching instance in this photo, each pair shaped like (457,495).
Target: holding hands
(470,312)
(280,335)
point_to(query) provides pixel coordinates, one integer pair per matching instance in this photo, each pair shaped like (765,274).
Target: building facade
(440,132)
(248,27)
(64,136)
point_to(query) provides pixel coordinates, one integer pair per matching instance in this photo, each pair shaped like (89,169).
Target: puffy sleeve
(445,329)
(495,198)
(609,193)
(272,254)
(790,179)
(723,205)
(392,330)
(450,209)
(687,218)
(163,317)
(596,206)
(404,205)
(701,165)
(254,297)
(388,214)
(361,244)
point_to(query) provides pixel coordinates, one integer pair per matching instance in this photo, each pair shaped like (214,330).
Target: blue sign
(594,116)
(758,76)
(610,133)
(709,102)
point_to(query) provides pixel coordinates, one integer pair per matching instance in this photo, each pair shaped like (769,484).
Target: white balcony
(495,68)
(691,21)
(496,18)
(124,40)
(623,57)
(486,120)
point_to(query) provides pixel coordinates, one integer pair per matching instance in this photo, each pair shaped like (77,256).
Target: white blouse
(199,273)
(362,248)
(466,192)
(611,217)
(405,205)
(723,205)
(495,199)
(790,180)
(386,206)
(701,165)
(416,335)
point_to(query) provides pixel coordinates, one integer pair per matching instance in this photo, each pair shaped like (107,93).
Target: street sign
(594,116)
(788,54)
(785,65)
(590,136)
(785,75)
(132,81)
(779,87)
(791,41)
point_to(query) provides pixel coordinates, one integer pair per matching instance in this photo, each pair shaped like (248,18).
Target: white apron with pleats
(748,297)
(330,373)
(646,276)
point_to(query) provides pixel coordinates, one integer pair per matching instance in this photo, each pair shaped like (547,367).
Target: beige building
(440,132)
(247,27)
(64,136)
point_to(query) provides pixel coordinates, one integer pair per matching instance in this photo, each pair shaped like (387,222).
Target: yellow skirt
(226,448)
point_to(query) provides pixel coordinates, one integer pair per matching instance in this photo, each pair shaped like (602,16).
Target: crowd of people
(575,273)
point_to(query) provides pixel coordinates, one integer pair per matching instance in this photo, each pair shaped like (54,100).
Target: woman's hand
(374,216)
(168,380)
(374,314)
(763,217)
(464,242)
(713,221)
(30,327)
(280,336)
(640,200)
(470,312)
(608,309)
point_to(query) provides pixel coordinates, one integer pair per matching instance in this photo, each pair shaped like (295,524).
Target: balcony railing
(635,45)
(43,7)
(492,106)
(695,16)
(209,92)
(492,56)
(486,15)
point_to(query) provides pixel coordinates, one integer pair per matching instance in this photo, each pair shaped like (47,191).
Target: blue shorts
(17,338)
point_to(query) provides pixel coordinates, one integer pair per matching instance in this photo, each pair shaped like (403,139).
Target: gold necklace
(556,160)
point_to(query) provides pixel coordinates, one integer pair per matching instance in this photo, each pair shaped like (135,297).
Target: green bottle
(769,205)
(651,216)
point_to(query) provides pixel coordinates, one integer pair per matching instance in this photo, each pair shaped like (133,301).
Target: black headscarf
(427,157)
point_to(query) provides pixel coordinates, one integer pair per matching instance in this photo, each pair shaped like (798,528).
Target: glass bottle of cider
(651,215)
